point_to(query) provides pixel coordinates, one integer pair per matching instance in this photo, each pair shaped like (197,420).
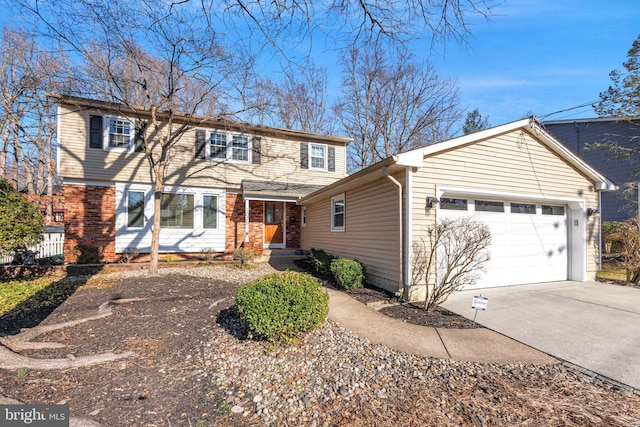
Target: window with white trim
(218,145)
(121,133)
(135,209)
(317,156)
(338,210)
(240,148)
(229,146)
(209,211)
(176,210)
(303,216)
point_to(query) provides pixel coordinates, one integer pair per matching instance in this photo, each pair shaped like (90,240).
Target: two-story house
(227,184)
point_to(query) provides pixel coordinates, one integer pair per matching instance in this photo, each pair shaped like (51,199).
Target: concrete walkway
(476,345)
(591,325)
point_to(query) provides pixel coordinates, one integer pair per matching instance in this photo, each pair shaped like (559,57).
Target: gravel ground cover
(193,366)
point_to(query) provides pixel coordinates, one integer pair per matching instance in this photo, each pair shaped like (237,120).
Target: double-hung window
(218,145)
(240,148)
(227,146)
(318,156)
(338,210)
(119,133)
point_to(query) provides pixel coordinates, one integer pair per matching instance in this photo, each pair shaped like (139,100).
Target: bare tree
(27,117)
(391,104)
(287,25)
(454,256)
(299,101)
(163,61)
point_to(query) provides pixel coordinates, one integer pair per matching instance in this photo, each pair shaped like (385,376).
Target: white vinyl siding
(198,237)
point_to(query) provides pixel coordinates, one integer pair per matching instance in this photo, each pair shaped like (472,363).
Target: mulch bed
(165,332)
(412,312)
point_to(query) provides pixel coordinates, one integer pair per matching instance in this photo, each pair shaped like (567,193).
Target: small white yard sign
(479,303)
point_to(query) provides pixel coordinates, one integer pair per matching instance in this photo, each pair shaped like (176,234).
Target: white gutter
(400,239)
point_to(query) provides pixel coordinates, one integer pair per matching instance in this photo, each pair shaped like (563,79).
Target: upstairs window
(120,133)
(227,146)
(318,156)
(240,148)
(218,145)
(114,133)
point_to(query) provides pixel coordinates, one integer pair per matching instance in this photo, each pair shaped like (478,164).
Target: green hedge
(348,273)
(321,260)
(279,307)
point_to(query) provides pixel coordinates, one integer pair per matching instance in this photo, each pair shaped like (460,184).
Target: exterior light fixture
(431,202)
(592,212)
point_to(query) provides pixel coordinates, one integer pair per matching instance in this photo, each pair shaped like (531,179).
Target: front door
(273,224)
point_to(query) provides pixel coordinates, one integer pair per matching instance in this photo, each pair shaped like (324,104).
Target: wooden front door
(273,223)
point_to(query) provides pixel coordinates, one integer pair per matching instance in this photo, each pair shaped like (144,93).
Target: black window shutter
(201,142)
(139,141)
(331,162)
(95,131)
(256,153)
(304,155)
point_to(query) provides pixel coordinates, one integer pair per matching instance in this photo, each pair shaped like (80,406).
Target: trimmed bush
(348,273)
(279,307)
(321,260)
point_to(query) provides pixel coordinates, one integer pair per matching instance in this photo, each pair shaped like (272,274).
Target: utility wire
(586,104)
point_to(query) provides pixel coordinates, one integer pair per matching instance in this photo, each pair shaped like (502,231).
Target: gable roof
(533,127)
(415,158)
(197,120)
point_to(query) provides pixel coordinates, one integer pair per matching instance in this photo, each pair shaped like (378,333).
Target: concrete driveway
(592,325)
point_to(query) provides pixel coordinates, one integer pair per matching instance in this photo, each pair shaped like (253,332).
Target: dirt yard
(191,365)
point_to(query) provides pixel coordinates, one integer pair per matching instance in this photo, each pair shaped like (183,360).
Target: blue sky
(542,56)
(532,56)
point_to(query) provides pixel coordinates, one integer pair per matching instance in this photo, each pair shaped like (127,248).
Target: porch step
(269,254)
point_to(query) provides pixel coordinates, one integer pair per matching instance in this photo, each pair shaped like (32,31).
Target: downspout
(405,292)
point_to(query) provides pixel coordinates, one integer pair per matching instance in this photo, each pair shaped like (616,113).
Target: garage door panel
(525,248)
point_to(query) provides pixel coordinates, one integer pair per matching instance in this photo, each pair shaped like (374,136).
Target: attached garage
(538,198)
(529,240)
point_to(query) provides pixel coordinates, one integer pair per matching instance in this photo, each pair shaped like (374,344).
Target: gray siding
(581,135)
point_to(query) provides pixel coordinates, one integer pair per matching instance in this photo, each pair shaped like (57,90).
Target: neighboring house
(581,135)
(538,198)
(228,184)
(57,207)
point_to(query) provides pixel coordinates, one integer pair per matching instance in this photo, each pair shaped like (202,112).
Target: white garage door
(529,240)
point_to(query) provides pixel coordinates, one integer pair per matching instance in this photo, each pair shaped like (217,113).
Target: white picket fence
(52,244)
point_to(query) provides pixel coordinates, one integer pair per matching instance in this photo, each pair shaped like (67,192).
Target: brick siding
(90,218)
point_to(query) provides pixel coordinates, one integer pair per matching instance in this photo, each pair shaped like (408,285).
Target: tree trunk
(155,232)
